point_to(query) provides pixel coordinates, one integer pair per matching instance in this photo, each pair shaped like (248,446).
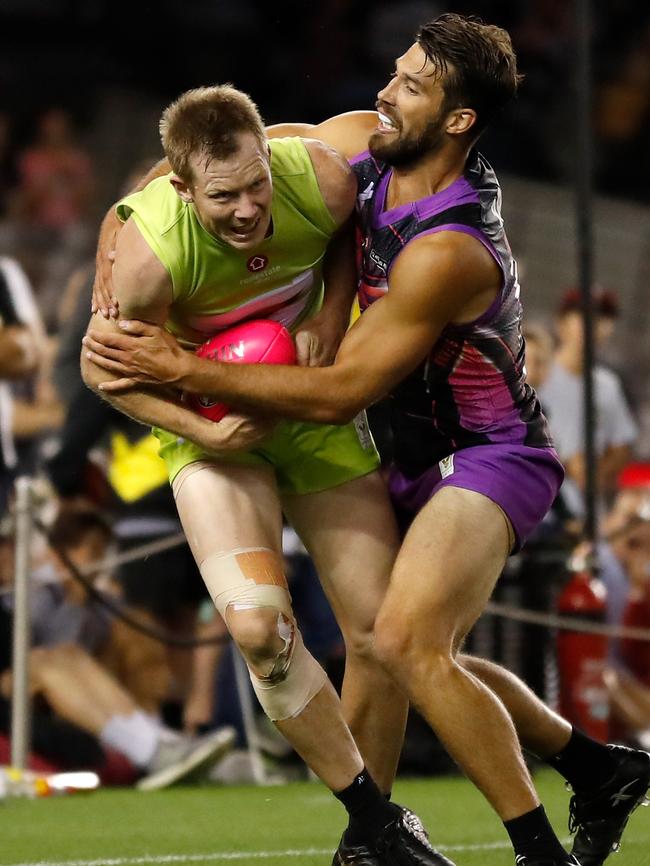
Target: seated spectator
(71,684)
(562,396)
(625,570)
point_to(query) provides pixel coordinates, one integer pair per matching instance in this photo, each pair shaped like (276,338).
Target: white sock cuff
(135,736)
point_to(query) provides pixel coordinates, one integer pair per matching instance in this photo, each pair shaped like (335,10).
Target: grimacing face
(232,197)
(411,116)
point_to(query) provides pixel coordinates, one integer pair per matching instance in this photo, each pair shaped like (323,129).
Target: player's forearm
(146,407)
(325,395)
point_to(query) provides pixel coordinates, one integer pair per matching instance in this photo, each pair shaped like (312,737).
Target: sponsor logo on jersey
(376,259)
(446,466)
(367,193)
(260,275)
(257,263)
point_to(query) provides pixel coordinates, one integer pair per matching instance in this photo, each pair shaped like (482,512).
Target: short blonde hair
(207,120)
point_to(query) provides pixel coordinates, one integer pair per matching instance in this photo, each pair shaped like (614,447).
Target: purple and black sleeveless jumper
(470,392)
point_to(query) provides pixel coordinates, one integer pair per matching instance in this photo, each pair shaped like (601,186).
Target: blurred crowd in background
(82,85)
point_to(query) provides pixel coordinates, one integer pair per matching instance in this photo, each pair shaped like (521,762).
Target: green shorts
(306,458)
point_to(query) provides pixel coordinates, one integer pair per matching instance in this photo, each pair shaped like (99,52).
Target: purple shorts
(523,482)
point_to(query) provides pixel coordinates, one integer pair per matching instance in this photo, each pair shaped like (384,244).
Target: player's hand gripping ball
(262,341)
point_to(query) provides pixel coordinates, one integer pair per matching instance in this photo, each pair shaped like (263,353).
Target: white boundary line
(228,856)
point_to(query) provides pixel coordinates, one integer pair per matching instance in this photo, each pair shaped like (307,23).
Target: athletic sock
(368,808)
(584,763)
(136,736)
(532,835)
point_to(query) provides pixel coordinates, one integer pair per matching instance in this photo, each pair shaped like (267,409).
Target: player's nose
(385,94)
(246,208)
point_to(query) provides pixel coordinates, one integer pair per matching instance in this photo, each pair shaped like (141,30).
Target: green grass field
(279,826)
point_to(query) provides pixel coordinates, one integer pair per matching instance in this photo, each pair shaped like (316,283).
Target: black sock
(532,835)
(584,763)
(367,807)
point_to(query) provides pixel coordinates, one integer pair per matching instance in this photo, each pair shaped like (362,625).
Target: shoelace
(415,827)
(574,815)
(575,822)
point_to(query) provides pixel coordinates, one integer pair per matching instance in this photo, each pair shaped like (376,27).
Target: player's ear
(182,188)
(460,120)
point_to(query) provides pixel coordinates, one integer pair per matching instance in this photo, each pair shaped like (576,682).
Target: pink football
(262,341)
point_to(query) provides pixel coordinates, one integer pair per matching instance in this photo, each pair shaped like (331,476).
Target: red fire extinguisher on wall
(582,656)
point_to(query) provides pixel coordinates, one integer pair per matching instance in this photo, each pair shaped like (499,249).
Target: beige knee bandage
(253,577)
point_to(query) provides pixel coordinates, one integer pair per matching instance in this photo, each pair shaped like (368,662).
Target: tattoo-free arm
(104,298)
(318,338)
(448,277)
(348,132)
(143,288)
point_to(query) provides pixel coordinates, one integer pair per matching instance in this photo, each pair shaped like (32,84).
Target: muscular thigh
(351,534)
(448,564)
(225,507)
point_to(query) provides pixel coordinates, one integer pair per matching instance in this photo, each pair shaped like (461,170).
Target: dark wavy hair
(476,62)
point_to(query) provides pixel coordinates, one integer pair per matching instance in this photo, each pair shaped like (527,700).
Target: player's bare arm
(318,339)
(348,132)
(104,298)
(144,288)
(439,279)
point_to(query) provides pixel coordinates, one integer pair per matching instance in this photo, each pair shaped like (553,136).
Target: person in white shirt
(562,398)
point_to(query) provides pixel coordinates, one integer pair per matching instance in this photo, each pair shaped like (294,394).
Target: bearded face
(413,111)
(399,144)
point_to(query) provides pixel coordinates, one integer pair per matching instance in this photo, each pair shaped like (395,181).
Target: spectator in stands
(51,206)
(539,354)
(68,631)
(56,177)
(562,395)
(558,524)
(625,570)
(21,344)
